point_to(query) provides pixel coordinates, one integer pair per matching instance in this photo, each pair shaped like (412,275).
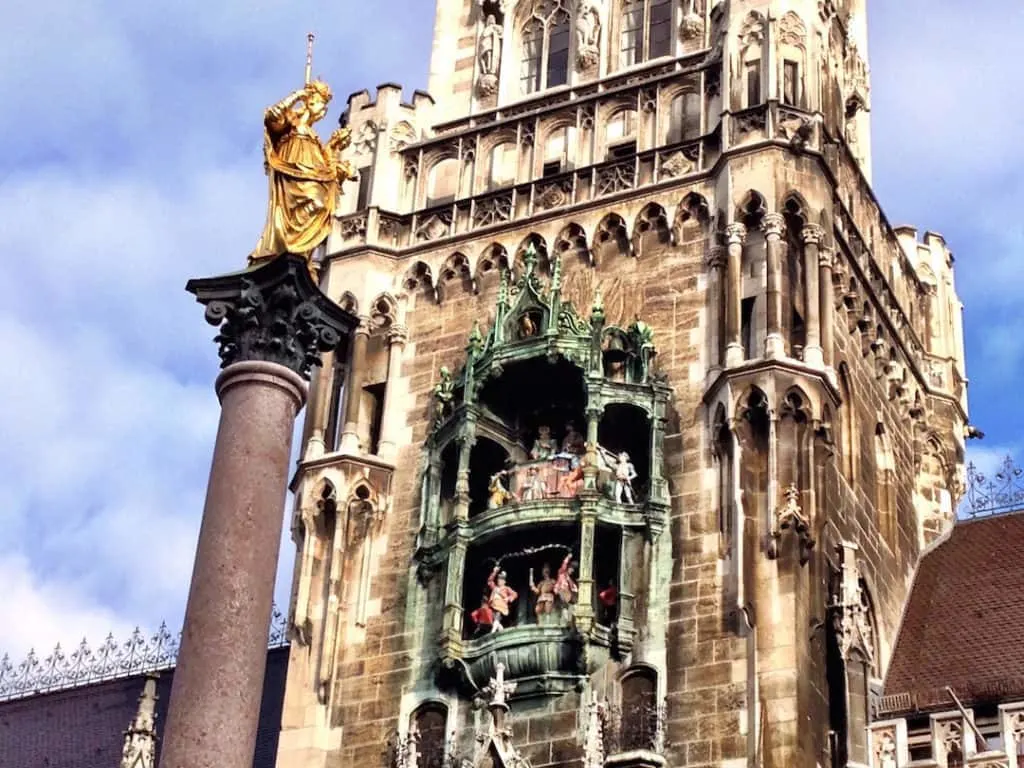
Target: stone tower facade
(650,412)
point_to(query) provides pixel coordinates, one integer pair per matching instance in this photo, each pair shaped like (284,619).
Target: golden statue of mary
(305,175)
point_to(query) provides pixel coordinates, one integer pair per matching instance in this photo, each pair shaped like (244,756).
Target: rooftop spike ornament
(305,176)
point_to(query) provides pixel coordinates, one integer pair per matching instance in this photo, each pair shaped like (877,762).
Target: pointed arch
(752,209)
(572,242)
(383,311)
(650,229)
(611,238)
(693,218)
(419,278)
(349,303)
(540,245)
(456,276)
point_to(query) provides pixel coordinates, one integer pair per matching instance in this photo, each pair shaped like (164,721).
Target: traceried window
(791,83)
(752,76)
(620,135)
(684,118)
(443,182)
(645,31)
(545,48)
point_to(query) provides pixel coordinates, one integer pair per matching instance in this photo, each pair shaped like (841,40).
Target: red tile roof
(962,625)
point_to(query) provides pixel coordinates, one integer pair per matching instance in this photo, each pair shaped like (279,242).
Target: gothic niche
(544,478)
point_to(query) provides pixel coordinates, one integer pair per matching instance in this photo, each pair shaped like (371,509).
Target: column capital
(773,224)
(363,325)
(272,313)
(813,234)
(735,234)
(715,258)
(826,258)
(398,334)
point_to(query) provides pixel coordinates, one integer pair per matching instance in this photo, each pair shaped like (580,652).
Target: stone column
(590,466)
(274,323)
(826,308)
(715,261)
(397,337)
(320,396)
(583,612)
(774,225)
(735,234)
(350,435)
(812,237)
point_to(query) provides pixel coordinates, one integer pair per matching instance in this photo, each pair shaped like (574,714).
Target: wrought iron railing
(632,727)
(85,665)
(993,494)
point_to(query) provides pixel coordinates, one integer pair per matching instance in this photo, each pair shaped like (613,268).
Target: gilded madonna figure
(305,176)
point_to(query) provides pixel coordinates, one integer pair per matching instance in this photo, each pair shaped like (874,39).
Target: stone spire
(139,749)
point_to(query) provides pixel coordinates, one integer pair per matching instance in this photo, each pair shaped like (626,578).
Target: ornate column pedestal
(812,236)
(735,235)
(774,224)
(274,323)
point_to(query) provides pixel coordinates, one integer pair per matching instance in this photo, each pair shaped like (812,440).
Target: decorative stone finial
(272,313)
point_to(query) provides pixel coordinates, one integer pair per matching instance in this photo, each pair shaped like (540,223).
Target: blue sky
(132,162)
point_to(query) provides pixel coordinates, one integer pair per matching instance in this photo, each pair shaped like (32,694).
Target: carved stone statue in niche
(490,57)
(692,25)
(588,36)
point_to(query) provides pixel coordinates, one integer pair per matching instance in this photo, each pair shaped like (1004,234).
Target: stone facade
(692,179)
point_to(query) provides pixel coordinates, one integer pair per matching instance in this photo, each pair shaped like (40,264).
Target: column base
(774,346)
(814,357)
(315,447)
(349,442)
(733,355)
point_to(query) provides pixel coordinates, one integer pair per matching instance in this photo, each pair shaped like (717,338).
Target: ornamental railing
(996,493)
(112,660)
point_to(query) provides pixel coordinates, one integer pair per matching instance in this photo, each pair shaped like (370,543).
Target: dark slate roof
(961,626)
(84,727)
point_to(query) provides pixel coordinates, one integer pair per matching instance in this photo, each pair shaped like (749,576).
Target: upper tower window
(545,48)
(645,31)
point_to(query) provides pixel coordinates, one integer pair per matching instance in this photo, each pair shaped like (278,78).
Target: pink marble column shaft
(218,684)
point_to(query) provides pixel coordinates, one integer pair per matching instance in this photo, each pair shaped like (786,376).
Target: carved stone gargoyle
(790,516)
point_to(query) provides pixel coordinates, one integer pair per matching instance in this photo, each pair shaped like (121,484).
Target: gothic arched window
(428,729)
(645,31)
(545,48)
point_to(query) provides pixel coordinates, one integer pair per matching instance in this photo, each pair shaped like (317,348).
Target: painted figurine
(625,474)
(545,592)
(501,597)
(498,494)
(574,445)
(483,616)
(609,599)
(571,482)
(544,447)
(566,588)
(534,489)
